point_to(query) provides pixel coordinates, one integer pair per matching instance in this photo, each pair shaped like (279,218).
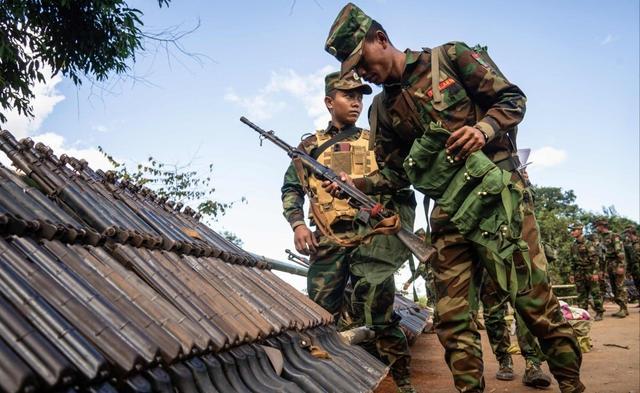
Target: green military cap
(601,221)
(351,81)
(575,225)
(630,229)
(347,36)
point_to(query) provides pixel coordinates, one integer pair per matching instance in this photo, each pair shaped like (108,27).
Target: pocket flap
(478,164)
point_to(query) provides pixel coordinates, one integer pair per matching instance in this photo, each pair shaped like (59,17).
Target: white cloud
(309,89)
(100,128)
(608,39)
(547,156)
(59,146)
(46,98)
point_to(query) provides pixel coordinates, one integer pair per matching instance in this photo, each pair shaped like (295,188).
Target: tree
(181,184)
(83,38)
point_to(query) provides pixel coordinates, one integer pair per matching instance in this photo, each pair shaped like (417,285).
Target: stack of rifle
(414,317)
(106,287)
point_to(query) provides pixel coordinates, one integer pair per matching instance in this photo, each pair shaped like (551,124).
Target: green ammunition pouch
(480,198)
(383,255)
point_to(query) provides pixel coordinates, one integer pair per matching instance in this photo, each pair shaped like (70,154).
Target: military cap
(630,229)
(351,81)
(346,36)
(601,221)
(575,225)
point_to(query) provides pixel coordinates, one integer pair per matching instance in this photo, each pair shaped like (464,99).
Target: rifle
(366,205)
(297,258)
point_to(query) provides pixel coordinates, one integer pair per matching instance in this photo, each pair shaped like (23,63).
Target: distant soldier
(585,265)
(632,249)
(495,307)
(338,255)
(614,264)
(424,271)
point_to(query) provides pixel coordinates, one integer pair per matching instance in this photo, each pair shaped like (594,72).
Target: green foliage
(84,38)
(555,210)
(232,237)
(179,183)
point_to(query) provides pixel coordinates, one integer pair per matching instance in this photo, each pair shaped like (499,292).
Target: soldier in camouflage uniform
(585,265)
(429,129)
(495,307)
(632,251)
(337,257)
(614,264)
(423,270)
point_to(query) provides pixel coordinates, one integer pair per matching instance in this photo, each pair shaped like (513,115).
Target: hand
(465,141)
(406,286)
(595,277)
(620,271)
(572,279)
(304,240)
(334,189)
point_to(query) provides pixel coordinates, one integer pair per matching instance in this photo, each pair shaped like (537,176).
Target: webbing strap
(435,74)
(340,136)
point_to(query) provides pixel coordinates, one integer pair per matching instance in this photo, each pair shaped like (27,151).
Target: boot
(598,316)
(535,377)
(505,372)
(622,313)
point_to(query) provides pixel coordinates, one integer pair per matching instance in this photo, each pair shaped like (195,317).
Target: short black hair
(332,93)
(371,33)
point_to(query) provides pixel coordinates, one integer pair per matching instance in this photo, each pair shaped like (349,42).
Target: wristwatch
(484,134)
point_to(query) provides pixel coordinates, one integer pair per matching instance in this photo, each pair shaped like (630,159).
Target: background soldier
(632,251)
(423,270)
(585,264)
(337,257)
(614,264)
(495,307)
(445,116)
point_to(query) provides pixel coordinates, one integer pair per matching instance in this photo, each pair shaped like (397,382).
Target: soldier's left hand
(334,189)
(465,141)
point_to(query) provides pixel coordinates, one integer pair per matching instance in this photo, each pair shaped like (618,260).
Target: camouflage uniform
(407,116)
(426,273)
(632,250)
(495,306)
(585,263)
(614,259)
(368,267)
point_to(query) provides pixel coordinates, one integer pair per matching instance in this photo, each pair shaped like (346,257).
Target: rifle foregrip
(416,245)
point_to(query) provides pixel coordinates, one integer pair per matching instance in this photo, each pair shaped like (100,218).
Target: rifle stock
(356,197)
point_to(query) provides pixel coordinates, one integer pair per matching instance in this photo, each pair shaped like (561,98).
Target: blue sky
(577,62)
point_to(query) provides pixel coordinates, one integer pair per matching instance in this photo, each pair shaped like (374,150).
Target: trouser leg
(327,277)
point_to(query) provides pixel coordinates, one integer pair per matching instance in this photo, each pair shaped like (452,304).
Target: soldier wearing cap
(614,264)
(451,134)
(585,265)
(338,252)
(632,250)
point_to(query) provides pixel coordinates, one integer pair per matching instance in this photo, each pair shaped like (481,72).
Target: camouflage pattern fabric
(585,262)
(371,304)
(368,267)
(632,249)
(614,259)
(426,273)
(495,309)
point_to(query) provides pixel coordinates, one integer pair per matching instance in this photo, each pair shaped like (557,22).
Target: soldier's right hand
(304,240)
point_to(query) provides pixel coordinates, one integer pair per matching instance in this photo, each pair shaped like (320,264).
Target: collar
(333,130)
(411,58)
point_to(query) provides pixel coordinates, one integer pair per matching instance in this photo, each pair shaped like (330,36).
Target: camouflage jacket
(584,257)
(421,271)
(632,249)
(292,191)
(475,87)
(613,248)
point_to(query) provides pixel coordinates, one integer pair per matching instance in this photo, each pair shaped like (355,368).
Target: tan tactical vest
(351,157)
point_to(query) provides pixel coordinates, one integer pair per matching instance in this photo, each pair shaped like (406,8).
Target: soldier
(337,254)
(632,249)
(495,307)
(424,271)
(614,263)
(429,127)
(585,265)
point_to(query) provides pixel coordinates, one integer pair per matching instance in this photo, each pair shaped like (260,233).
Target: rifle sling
(340,136)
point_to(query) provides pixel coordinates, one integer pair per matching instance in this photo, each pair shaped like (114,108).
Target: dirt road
(606,369)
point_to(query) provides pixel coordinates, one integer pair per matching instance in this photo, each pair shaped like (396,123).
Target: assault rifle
(366,205)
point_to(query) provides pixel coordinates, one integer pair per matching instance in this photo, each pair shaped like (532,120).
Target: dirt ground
(605,369)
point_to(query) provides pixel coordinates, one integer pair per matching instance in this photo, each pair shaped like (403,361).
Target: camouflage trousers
(617,283)
(495,307)
(457,266)
(369,304)
(585,288)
